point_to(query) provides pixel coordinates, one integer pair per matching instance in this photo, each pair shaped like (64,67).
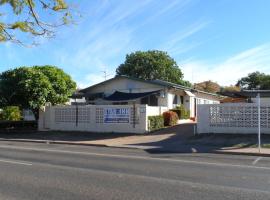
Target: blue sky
(220,40)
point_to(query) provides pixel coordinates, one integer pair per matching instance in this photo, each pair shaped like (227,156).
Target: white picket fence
(240,118)
(98,118)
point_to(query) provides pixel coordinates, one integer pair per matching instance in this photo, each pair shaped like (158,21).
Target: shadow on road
(176,139)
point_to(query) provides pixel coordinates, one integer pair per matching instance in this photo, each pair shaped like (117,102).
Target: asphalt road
(46,171)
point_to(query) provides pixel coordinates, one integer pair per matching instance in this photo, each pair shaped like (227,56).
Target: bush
(177,111)
(170,118)
(156,122)
(11,113)
(182,112)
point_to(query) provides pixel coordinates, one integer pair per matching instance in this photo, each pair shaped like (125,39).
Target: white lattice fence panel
(84,114)
(240,116)
(99,115)
(65,114)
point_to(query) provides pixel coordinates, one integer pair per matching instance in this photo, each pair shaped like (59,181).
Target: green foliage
(230,88)
(27,18)
(255,80)
(170,118)
(182,112)
(62,84)
(151,65)
(156,122)
(32,87)
(11,113)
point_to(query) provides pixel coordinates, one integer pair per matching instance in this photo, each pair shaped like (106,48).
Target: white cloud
(111,33)
(232,69)
(176,44)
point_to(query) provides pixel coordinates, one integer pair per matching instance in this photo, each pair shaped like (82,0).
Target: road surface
(48,171)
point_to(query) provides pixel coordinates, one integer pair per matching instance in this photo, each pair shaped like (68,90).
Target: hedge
(170,118)
(11,113)
(156,122)
(182,112)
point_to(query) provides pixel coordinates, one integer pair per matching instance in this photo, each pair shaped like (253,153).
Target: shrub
(170,118)
(177,111)
(156,122)
(11,113)
(182,112)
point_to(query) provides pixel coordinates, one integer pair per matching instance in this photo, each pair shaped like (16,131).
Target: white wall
(91,118)
(170,98)
(264,100)
(240,118)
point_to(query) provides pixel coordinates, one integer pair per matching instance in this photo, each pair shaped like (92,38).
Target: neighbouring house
(124,90)
(246,96)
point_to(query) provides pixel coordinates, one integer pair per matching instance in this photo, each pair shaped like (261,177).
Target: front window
(151,100)
(175,99)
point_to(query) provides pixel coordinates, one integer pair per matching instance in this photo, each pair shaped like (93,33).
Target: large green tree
(32,87)
(255,80)
(33,18)
(150,65)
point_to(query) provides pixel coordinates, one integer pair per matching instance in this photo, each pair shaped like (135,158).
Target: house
(124,90)
(246,96)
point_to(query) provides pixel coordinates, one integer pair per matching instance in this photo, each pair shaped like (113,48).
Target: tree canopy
(32,87)
(255,80)
(150,65)
(231,88)
(33,18)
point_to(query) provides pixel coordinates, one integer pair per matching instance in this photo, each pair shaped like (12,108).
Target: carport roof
(123,96)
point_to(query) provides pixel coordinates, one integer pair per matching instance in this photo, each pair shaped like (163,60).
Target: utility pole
(259,121)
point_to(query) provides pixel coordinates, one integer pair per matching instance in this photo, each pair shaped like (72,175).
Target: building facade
(123,90)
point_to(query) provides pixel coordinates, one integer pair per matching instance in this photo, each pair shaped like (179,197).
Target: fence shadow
(183,141)
(68,136)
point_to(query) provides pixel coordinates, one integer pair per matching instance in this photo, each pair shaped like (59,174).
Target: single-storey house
(124,90)
(246,96)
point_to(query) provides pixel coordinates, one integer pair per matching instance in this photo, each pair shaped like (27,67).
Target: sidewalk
(176,139)
(246,151)
(152,144)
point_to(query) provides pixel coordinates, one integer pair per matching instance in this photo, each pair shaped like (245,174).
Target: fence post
(76,114)
(134,114)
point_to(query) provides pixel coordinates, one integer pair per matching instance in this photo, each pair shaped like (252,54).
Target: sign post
(259,121)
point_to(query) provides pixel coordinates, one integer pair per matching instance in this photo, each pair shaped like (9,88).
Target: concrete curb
(132,147)
(243,153)
(52,142)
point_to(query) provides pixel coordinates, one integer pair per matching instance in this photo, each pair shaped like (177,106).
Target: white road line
(16,162)
(256,160)
(137,157)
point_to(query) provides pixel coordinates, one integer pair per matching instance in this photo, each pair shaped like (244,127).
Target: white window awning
(189,93)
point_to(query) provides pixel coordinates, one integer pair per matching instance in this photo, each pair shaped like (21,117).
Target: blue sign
(116,115)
